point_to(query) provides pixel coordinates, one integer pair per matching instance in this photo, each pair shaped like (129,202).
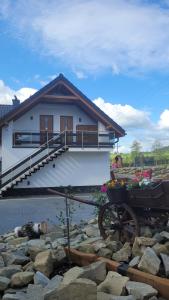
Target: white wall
(10,156)
(24,123)
(72,168)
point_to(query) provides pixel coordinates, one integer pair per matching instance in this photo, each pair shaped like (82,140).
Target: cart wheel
(119,221)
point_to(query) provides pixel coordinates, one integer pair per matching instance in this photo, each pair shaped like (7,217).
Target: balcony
(80,139)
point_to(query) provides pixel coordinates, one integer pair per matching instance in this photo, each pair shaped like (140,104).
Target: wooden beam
(60,97)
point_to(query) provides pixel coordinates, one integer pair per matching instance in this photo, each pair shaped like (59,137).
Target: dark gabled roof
(4,109)
(32,100)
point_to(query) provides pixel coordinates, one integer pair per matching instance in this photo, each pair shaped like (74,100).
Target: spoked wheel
(119,221)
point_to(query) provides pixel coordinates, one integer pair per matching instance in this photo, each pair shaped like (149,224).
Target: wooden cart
(125,214)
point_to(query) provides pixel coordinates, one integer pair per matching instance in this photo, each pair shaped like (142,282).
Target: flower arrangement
(142,180)
(113,184)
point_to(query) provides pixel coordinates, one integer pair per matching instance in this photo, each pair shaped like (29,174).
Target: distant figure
(117,162)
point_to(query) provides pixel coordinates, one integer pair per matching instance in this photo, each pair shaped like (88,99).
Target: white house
(57,137)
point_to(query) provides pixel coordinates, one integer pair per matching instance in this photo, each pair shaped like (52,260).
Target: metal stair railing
(27,163)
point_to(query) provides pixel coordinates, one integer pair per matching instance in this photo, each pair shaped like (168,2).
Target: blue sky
(113,51)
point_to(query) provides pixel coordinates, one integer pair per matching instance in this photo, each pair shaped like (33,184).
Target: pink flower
(103,188)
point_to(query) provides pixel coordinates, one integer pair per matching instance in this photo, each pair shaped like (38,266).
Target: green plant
(100,198)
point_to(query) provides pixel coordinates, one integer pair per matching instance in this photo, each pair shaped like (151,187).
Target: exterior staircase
(32,163)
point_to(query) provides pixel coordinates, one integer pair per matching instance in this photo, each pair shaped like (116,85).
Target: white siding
(72,168)
(24,123)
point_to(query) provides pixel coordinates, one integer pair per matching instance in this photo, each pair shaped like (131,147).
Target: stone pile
(28,268)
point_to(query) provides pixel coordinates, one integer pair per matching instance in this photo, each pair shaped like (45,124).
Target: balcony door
(87,135)
(66,124)
(46,128)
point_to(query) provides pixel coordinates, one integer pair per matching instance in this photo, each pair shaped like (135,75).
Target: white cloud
(138,124)
(93,35)
(125,115)
(164,120)
(7,94)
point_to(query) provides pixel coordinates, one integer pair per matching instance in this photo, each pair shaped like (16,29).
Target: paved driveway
(18,211)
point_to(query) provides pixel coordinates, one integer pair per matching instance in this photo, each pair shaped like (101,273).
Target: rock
(105,296)
(88,248)
(62,241)
(17,296)
(9,271)
(123,254)
(28,267)
(114,246)
(21,279)
(1,262)
(72,274)
(149,262)
(54,282)
(140,243)
(91,240)
(134,262)
(54,235)
(140,290)
(93,221)
(83,289)
(165,235)
(104,252)
(160,248)
(74,233)
(37,243)
(34,292)
(15,259)
(33,251)
(41,279)
(58,255)
(55,244)
(4,282)
(78,240)
(158,237)
(95,272)
(98,245)
(2,247)
(165,260)
(18,241)
(91,231)
(146,231)
(44,262)
(113,284)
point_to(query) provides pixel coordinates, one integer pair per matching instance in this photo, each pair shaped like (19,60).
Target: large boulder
(44,262)
(114,284)
(140,291)
(22,279)
(149,262)
(82,289)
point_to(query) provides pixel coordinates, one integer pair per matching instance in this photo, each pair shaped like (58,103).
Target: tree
(157,150)
(135,150)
